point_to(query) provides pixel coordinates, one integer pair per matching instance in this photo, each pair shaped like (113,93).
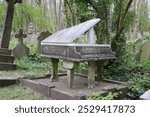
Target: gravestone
(137,44)
(8,23)
(145,96)
(60,46)
(43,35)
(31,28)
(20,50)
(144,51)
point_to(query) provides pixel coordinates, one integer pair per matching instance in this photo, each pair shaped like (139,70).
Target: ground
(18,92)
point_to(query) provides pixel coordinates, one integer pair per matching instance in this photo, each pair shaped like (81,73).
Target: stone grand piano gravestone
(60,46)
(21,50)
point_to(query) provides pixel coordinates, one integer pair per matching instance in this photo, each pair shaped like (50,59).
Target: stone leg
(100,68)
(54,74)
(70,72)
(91,74)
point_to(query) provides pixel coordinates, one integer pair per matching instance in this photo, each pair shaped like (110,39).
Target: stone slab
(70,34)
(38,87)
(61,91)
(7,66)
(6,58)
(8,81)
(5,51)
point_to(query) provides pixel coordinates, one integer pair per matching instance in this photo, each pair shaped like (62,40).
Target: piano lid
(68,35)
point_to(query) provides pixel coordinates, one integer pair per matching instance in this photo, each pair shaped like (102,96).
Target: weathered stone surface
(61,91)
(7,81)
(68,35)
(78,52)
(7,66)
(43,35)
(8,23)
(6,58)
(5,51)
(144,51)
(31,28)
(39,87)
(21,50)
(145,96)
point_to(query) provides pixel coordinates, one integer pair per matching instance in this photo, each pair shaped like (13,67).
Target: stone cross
(8,23)
(20,35)
(20,50)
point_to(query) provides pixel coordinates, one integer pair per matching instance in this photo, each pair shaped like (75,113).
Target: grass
(18,92)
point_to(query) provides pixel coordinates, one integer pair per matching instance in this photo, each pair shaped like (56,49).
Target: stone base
(6,60)
(61,91)
(5,51)
(7,66)
(8,81)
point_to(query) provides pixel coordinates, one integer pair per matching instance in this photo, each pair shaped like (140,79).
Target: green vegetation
(24,14)
(18,92)
(110,96)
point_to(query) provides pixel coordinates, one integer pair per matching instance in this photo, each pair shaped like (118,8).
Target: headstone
(32,38)
(43,35)
(144,51)
(145,96)
(8,23)
(137,44)
(20,50)
(31,28)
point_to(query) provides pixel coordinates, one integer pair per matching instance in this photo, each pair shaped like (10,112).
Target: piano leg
(91,74)
(54,74)
(100,67)
(70,71)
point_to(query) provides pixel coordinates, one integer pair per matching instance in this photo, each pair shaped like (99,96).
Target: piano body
(60,46)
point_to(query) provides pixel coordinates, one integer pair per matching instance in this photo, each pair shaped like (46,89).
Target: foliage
(126,67)
(139,84)
(25,13)
(33,65)
(18,92)
(2,8)
(97,96)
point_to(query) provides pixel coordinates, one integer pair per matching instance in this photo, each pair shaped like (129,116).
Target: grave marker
(43,35)
(20,50)
(31,28)
(144,51)
(8,23)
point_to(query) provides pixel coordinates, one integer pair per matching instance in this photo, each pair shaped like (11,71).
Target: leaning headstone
(31,28)
(21,50)
(145,96)
(144,51)
(137,44)
(41,37)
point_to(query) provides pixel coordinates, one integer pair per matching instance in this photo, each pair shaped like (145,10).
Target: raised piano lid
(68,35)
